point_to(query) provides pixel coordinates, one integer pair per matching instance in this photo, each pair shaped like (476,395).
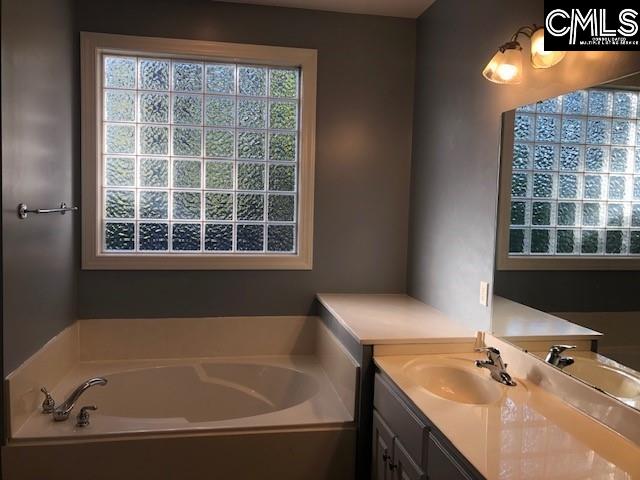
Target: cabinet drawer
(407,427)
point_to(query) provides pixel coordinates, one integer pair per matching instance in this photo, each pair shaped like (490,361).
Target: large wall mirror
(568,234)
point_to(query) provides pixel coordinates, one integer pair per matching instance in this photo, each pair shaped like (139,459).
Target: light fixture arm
(526,30)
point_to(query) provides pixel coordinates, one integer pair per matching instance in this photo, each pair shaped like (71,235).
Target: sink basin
(454,383)
(613,381)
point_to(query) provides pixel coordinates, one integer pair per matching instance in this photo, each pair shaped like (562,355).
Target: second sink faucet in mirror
(555,358)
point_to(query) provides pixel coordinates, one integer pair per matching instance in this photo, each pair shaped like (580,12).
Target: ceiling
(390,8)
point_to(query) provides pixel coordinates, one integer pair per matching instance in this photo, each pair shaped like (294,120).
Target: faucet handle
(82,419)
(561,348)
(48,404)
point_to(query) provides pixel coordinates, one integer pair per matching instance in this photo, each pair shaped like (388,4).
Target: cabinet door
(442,465)
(382,451)
(403,466)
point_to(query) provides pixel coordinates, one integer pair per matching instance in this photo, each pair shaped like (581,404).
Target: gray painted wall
(365,101)
(456,142)
(38,153)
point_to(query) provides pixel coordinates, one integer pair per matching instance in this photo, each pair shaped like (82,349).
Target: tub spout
(62,412)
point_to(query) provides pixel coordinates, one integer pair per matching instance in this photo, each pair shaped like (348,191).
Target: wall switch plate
(484,294)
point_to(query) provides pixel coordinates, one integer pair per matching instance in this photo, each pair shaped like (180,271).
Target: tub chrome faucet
(61,412)
(497,368)
(555,358)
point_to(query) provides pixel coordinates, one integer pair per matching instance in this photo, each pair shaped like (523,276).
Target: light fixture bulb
(506,65)
(541,58)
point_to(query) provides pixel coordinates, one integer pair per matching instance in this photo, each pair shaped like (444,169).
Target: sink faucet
(62,412)
(554,357)
(495,365)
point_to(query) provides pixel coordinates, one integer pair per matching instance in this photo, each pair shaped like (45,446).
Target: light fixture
(506,64)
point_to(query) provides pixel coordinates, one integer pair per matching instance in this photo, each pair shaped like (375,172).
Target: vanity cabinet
(407,446)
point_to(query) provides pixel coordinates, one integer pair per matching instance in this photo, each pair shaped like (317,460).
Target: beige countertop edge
(536,337)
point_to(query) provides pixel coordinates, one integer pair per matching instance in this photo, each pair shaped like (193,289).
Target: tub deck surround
(386,319)
(526,433)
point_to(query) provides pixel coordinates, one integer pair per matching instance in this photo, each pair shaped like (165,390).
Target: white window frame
(93,47)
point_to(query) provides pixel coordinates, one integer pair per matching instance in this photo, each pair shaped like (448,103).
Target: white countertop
(392,319)
(526,434)
(515,321)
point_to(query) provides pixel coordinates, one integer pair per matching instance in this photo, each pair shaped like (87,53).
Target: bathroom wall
(456,142)
(365,101)
(39,270)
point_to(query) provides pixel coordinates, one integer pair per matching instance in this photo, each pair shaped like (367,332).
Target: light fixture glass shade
(505,66)
(541,58)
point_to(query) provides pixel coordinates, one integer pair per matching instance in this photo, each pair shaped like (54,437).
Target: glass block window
(575,177)
(198,157)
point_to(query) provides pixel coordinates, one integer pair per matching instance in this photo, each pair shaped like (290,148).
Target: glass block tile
(187,110)
(591,214)
(120,171)
(153,236)
(249,206)
(547,128)
(598,131)
(187,173)
(519,185)
(575,103)
(282,178)
(219,175)
(615,215)
(283,82)
(593,187)
(530,108)
(218,237)
(617,187)
(219,143)
(590,241)
(186,205)
(623,132)
(600,103)
(282,146)
(637,159)
(567,213)
(218,206)
(541,213)
(252,81)
(550,105)
(565,242)
(221,78)
(596,159)
(154,140)
(251,145)
(250,238)
(120,138)
(119,204)
(545,157)
(154,107)
(251,176)
(636,188)
(187,76)
(281,208)
(154,74)
(625,104)
(523,127)
(280,238)
(252,113)
(635,215)
(540,241)
(187,141)
(516,240)
(571,157)
(573,130)
(568,186)
(614,242)
(185,236)
(283,115)
(542,185)
(521,156)
(154,204)
(634,243)
(518,213)
(119,106)
(119,236)
(621,159)
(119,72)
(154,172)
(219,111)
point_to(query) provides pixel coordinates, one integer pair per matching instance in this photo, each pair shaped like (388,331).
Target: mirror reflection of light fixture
(506,64)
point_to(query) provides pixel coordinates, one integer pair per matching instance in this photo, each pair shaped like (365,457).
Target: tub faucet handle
(48,404)
(82,420)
